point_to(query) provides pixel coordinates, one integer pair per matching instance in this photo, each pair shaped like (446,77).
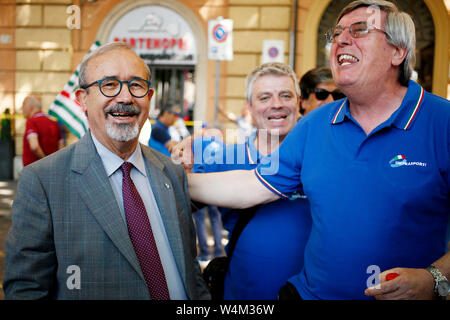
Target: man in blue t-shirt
(160,139)
(374,166)
(270,248)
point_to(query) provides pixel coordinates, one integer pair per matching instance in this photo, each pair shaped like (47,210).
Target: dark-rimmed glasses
(111,86)
(322,94)
(357,30)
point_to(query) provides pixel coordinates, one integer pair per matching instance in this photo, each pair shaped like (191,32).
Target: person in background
(42,136)
(160,138)
(178,131)
(374,166)
(317,88)
(213,134)
(243,122)
(214,215)
(270,248)
(106,217)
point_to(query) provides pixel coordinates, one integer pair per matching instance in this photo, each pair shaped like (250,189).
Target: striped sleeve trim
(269,186)
(31,134)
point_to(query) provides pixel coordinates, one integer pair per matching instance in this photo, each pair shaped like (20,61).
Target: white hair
(400,29)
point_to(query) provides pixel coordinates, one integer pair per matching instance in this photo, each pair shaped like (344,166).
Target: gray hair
(271,68)
(117,45)
(400,29)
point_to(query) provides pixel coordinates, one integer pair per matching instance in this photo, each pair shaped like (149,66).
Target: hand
(411,284)
(182,153)
(170,145)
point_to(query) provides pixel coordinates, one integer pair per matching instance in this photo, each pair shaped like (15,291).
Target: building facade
(43,41)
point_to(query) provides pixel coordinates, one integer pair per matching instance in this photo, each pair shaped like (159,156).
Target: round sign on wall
(220,33)
(273,52)
(220,39)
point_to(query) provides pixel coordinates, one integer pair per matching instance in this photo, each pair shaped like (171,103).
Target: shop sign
(158,35)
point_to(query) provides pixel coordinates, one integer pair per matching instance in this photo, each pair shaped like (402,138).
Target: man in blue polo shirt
(271,247)
(374,166)
(160,138)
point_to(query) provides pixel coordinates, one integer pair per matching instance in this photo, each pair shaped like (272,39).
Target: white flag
(67,109)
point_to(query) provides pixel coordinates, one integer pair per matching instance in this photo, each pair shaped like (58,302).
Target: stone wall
(43,54)
(254,21)
(7,55)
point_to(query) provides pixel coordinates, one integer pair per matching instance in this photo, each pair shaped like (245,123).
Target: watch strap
(438,277)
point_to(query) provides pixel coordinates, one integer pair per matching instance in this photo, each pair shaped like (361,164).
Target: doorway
(174,85)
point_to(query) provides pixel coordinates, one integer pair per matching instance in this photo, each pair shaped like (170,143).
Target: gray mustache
(128,108)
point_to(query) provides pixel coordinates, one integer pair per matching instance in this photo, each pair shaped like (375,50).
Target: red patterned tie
(141,236)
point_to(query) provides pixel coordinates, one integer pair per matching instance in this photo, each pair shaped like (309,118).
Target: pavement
(7,195)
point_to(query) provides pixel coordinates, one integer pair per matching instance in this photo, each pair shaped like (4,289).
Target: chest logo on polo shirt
(400,160)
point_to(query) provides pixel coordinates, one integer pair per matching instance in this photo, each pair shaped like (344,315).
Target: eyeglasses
(111,86)
(322,94)
(356,30)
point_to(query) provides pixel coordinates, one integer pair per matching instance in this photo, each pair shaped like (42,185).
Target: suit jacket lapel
(163,191)
(95,190)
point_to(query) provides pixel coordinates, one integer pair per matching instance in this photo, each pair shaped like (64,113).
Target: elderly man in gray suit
(105,218)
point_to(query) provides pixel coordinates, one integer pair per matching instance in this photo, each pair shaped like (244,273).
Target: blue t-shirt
(270,248)
(376,200)
(159,137)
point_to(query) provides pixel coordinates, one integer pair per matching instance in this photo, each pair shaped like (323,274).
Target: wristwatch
(441,284)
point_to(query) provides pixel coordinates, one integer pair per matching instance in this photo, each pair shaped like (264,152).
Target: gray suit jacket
(65,214)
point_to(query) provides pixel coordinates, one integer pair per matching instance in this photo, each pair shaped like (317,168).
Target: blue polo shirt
(270,249)
(380,199)
(159,137)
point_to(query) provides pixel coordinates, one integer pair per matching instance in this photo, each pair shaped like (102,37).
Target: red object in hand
(391,276)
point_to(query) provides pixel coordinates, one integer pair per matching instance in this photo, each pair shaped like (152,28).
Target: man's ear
(81,96)
(150,93)
(249,106)
(399,56)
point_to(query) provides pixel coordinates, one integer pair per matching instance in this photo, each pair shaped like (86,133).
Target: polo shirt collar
(162,124)
(112,162)
(37,114)
(405,115)
(411,104)
(341,112)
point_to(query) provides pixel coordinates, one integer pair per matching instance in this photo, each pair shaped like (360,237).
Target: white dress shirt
(112,164)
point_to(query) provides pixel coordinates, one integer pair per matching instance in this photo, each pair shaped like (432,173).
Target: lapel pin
(167,185)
